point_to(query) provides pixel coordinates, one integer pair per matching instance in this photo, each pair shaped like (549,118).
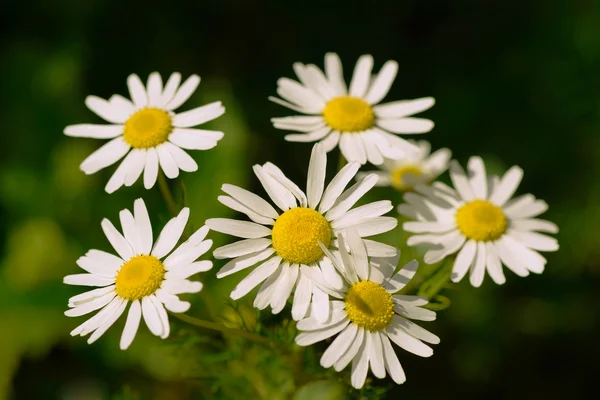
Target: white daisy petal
(316,176)
(183,160)
(240,207)
(195,139)
(106,155)
(320,305)
(330,141)
(406,125)
(493,265)
(509,259)
(108,322)
(130,231)
(143,225)
(360,366)
(312,136)
(402,277)
(311,337)
(534,225)
(117,240)
(335,73)
(163,317)
(151,317)
(268,287)
(337,186)
(280,177)
(350,197)
(254,202)
(199,115)
(245,261)
(94,131)
(106,110)
(281,196)
(361,76)
(464,259)
(167,163)
(408,342)
(136,166)
(403,108)
(184,92)
(478,266)
(154,90)
(90,306)
(258,275)
(382,84)
(170,89)
(241,248)
(478,179)
(242,229)
(339,346)
(534,240)
(284,289)
(302,297)
(415,330)
(352,350)
(507,187)
(461,181)
(151,168)
(392,365)
(169,236)
(131,325)
(375,350)
(137,91)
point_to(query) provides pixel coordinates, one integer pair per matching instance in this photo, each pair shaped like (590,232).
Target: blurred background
(515,82)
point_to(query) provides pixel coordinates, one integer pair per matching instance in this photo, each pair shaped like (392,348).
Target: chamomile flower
(479,220)
(284,242)
(366,313)
(351,117)
(138,275)
(148,126)
(415,167)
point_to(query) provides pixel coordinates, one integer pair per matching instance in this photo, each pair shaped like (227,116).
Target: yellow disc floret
(147,128)
(139,277)
(369,305)
(481,220)
(297,233)
(349,114)
(400,174)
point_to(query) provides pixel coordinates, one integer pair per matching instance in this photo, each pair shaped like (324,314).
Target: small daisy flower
(416,167)
(284,242)
(366,314)
(481,222)
(148,126)
(137,275)
(352,118)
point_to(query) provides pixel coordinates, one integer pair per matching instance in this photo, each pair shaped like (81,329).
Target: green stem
(218,327)
(165,190)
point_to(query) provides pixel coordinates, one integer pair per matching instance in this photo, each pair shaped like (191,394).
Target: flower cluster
(311,247)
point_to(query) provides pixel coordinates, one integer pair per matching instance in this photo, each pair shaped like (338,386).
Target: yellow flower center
(139,277)
(349,114)
(147,128)
(297,233)
(400,175)
(481,220)
(369,305)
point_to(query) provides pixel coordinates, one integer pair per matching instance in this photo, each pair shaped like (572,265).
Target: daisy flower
(479,220)
(416,167)
(284,242)
(148,126)
(137,275)
(352,118)
(366,314)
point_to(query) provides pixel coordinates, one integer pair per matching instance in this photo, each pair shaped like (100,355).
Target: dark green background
(516,82)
